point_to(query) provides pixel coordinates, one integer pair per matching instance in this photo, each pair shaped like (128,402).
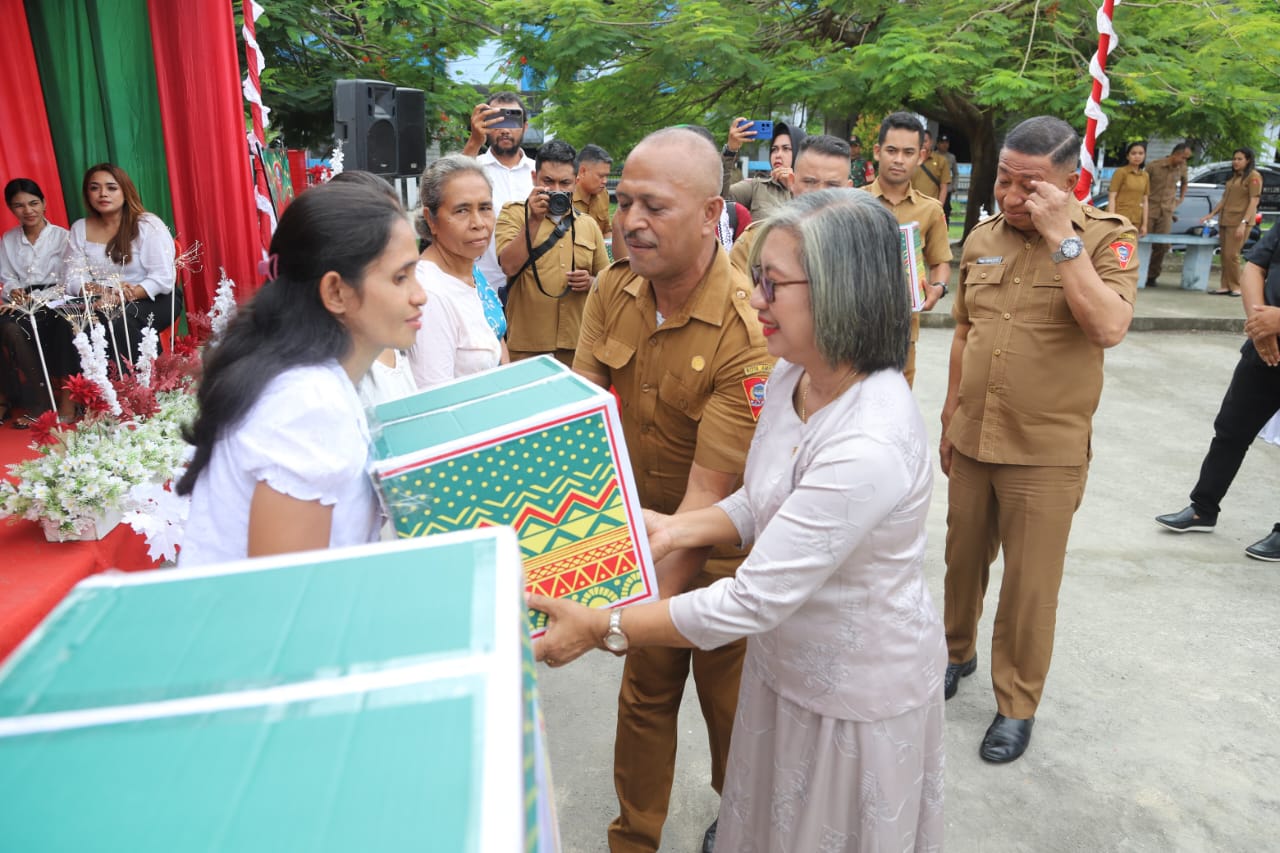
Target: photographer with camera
(550,255)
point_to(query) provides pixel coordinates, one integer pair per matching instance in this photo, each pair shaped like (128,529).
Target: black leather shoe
(1006,739)
(709,840)
(956,671)
(1186,521)
(1267,548)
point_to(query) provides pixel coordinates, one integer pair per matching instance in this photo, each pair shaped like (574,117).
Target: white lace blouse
(305,437)
(151,263)
(833,593)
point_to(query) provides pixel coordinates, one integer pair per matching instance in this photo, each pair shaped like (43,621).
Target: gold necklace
(805,382)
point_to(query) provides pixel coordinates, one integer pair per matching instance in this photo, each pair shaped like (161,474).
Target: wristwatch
(943,285)
(727,154)
(614,639)
(1070,248)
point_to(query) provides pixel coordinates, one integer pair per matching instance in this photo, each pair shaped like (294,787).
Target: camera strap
(565,225)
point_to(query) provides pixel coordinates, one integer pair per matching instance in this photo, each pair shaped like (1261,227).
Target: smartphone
(510,118)
(763,129)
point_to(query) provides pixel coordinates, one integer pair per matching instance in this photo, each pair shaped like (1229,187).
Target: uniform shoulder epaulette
(1098,213)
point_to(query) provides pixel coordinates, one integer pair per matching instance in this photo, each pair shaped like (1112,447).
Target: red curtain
(26,147)
(202,109)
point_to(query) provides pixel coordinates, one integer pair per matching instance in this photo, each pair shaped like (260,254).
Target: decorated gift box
(373,698)
(912,246)
(531,445)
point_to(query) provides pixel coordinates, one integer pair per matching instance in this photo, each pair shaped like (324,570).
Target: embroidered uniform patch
(1124,252)
(755,388)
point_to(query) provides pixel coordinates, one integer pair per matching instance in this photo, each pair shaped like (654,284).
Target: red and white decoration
(1107,41)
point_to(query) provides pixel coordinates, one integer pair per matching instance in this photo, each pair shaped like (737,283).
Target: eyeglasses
(767,284)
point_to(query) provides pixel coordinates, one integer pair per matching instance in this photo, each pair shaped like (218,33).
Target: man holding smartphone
(760,195)
(501,122)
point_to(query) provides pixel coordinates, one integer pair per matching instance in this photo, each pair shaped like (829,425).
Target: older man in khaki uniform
(900,145)
(1168,189)
(1045,287)
(670,328)
(545,298)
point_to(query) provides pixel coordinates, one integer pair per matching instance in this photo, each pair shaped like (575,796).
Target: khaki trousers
(1027,510)
(1159,221)
(910,370)
(644,751)
(564,356)
(1231,247)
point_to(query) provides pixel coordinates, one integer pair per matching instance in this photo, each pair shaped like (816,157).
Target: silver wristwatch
(1072,247)
(614,639)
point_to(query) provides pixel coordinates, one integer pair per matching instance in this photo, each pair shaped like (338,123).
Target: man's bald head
(693,157)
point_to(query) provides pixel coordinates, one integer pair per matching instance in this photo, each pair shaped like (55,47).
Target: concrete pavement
(1158,729)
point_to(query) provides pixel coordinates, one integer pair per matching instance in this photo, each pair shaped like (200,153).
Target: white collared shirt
(23,265)
(509,184)
(151,264)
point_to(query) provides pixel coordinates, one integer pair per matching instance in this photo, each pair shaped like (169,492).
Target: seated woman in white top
(281,441)
(838,733)
(30,257)
(121,252)
(458,330)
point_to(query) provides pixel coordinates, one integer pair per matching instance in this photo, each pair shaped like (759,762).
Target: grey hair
(831,146)
(850,251)
(1046,136)
(431,187)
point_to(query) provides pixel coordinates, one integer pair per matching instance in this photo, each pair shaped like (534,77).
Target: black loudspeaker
(411,126)
(364,121)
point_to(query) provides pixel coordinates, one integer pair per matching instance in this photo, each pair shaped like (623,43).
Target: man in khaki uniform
(670,328)
(1168,189)
(900,145)
(1045,287)
(933,176)
(545,298)
(820,164)
(591,195)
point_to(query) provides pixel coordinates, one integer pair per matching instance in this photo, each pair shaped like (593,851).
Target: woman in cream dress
(837,742)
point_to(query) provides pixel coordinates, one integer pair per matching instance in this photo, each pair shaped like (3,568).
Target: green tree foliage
(308,44)
(615,70)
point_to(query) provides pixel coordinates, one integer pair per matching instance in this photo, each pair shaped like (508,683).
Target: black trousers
(21,377)
(136,316)
(1252,398)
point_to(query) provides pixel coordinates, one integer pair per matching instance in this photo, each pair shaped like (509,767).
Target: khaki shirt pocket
(613,353)
(982,290)
(683,398)
(1048,301)
(584,250)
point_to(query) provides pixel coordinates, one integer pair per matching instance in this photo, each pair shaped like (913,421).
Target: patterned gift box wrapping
(532,446)
(372,698)
(912,247)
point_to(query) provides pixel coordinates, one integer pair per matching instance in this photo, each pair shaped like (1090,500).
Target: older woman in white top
(30,257)
(119,252)
(838,742)
(459,326)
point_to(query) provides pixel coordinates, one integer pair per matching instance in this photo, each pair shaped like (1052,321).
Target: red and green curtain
(153,86)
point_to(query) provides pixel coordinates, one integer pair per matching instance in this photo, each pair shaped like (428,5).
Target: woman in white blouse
(838,741)
(459,325)
(30,257)
(281,441)
(119,252)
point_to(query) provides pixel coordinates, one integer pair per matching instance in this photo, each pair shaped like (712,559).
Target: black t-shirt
(1266,254)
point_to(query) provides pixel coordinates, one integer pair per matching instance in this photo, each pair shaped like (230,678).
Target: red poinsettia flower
(85,392)
(43,428)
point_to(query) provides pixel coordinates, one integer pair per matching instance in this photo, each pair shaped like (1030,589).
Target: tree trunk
(978,127)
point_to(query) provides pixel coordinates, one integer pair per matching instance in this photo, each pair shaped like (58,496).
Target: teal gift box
(533,446)
(380,697)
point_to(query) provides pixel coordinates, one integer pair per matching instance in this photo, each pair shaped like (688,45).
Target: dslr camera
(559,203)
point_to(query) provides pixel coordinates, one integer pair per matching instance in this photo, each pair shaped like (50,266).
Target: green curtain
(98,71)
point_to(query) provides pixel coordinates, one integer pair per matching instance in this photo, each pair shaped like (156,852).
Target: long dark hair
(1251,161)
(340,228)
(119,247)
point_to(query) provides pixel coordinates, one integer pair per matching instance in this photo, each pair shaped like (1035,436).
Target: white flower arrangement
(90,472)
(224,307)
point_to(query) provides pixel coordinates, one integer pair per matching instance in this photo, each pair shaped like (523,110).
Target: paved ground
(1158,730)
